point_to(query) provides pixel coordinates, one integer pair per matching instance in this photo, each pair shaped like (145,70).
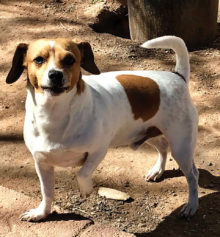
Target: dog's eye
(69,60)
(39,60)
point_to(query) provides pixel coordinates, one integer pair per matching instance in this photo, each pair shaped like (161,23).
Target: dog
(72,120)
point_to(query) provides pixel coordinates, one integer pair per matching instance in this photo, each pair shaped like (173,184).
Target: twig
(64,27)
(80,210)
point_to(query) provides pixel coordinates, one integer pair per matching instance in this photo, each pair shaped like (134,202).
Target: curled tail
(179,47)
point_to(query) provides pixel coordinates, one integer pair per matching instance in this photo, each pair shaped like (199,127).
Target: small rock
(110,193)
(210,164)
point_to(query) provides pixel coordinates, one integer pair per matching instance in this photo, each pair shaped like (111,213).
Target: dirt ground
(153,210)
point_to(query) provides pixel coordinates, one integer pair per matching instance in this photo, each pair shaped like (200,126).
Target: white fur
(60,130)
(51,43)
(178,46)
(51,66)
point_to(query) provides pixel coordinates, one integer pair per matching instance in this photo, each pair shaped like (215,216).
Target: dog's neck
(53,112)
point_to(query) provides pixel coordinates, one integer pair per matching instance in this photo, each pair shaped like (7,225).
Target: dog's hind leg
(182,143)
(184,158)
(161,145)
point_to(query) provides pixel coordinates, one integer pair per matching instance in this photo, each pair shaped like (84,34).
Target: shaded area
(65,217)
(206,179)
(149,20)
(21,173)
(113,22)
(11,138)
(206,221)
(209,181)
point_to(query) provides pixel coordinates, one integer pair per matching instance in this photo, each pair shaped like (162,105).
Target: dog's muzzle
(56,82)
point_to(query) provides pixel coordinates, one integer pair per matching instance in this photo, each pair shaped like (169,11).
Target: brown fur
(80,87)
(150,133)
(143,94)
(61,48)
(25,55)
(18,66)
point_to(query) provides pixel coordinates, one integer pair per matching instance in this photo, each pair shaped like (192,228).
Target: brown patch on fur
(17,63)
(55,54)
(80,85)
(62,48)
(87,60)
(143,94)
(150,133)
(35,72)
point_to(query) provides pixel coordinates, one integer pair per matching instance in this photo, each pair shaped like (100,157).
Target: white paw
(189,210)
(85,186)
(154,174)
(34,214)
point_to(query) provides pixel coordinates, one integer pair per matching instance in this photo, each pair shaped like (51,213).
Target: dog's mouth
(54,90)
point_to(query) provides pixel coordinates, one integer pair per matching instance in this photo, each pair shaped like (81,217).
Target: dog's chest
(62,158)
(54,148)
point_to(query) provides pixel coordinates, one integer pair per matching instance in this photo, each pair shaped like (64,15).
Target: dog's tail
(178,46)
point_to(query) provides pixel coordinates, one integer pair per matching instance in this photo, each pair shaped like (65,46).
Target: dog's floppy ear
(87,58)
(17,63)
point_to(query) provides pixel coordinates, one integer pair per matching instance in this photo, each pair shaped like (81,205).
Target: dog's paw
(85,186)
(154,173)
(85,190)
(188,210)
(34,215)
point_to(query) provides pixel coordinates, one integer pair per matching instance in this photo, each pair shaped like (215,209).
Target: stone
(114,194)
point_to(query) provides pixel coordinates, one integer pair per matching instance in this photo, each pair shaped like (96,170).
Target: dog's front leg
(46,176)
(84,176)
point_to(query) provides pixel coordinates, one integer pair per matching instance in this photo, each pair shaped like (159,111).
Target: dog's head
(53,65)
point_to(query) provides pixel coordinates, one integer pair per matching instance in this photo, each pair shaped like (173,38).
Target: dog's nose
(56,77)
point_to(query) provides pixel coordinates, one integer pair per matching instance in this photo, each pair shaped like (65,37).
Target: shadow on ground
(65,217)
(11,138)
(204,222)
(206,179)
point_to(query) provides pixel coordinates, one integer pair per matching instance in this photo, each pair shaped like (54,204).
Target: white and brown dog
(72,120)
